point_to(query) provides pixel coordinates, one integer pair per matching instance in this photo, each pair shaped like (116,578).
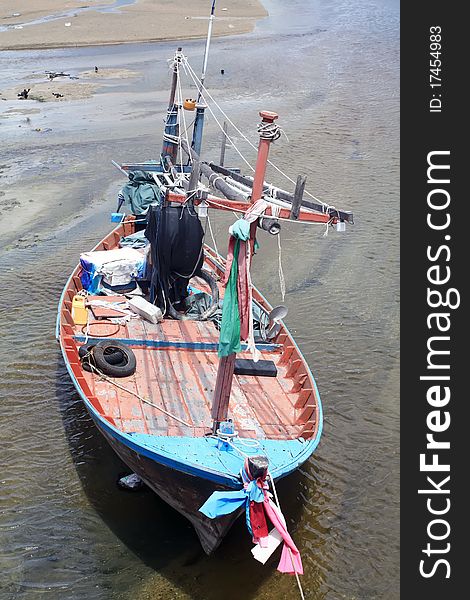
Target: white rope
(275,210)
(251,345)
(327,226)
(192,73)
(276,499)
(141,398)
(212,233)
(196,80)
(238,213)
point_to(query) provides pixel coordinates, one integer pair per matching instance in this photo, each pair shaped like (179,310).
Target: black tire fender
(114,356)
(86,349)
(101,353)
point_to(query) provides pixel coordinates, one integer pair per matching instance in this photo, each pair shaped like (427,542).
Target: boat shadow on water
(157,534)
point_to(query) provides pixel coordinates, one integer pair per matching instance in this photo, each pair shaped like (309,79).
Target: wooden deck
(181,380)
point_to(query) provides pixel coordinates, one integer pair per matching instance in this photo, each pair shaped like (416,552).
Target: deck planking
(182,380)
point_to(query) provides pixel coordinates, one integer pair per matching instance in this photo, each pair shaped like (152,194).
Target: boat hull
(184,471)
(183,492)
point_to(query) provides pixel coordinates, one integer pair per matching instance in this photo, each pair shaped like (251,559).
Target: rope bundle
(269,131)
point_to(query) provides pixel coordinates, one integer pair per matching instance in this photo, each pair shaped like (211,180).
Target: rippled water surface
(330,68)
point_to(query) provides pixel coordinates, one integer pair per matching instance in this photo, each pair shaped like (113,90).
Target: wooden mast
(223,385)
(170,148)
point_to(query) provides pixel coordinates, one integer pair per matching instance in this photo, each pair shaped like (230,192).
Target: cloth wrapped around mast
(237,311)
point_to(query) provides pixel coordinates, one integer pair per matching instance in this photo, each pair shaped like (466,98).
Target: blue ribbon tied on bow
(224,503)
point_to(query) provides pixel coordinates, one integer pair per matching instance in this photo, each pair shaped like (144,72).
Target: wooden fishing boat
(187,417)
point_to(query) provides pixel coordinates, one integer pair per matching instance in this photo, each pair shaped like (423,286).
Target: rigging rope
(230,140)
(275,210)
(276,498)
(212,233)
(193,75)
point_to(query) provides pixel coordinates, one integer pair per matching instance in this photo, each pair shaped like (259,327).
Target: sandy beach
(65,23)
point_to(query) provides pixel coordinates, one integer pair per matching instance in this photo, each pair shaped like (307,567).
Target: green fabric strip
(229,341)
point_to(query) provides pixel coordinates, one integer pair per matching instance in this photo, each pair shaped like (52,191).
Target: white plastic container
(145,309)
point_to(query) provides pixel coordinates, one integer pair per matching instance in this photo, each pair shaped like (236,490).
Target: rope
(269,131)
(167,137)
(230,140)
(251,345)
(238,213)
(275,210)
(227,441)
(276,499)
(102,322)
(192,73)
(141,398)
(212,233)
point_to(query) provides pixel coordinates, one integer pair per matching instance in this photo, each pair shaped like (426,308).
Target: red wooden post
(223,387)
(226,368)
(260,170)
(263,152)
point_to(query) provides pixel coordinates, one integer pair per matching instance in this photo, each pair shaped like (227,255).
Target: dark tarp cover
(140,192)
(175,235)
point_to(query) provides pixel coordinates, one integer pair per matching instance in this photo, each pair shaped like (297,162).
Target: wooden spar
(240,206)
(226,368)
(194,178)
(224,144)
(174,80)
(214,179)
(169,147)
(285,196)
(297,200)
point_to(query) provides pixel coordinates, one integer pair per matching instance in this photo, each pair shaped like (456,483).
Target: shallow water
(330,68)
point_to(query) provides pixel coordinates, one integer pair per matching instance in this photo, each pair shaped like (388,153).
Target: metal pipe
(198,128)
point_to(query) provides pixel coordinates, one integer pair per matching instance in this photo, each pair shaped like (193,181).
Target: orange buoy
(189,104)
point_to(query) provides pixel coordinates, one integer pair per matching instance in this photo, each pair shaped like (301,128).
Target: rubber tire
(114,356)
(123,369)
(85,349)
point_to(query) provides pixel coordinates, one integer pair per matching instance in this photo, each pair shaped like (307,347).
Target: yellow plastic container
(79,310)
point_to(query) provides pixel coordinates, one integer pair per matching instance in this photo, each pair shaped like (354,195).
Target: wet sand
(62,88)
(64,23)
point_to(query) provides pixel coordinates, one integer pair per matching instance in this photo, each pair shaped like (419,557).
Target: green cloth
(140,192)
(241,229)
(229,341)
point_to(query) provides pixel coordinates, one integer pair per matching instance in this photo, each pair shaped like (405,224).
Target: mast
(170,146)
(196,143)
(206,51)
(223,386)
